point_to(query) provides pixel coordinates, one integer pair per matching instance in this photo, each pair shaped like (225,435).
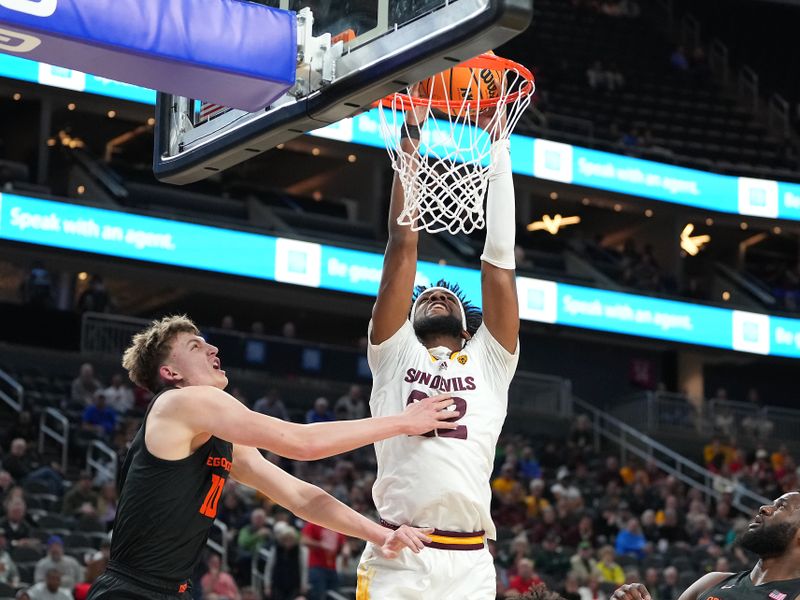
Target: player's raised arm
(400,259)
(312,504)
(206,409)
(498,264)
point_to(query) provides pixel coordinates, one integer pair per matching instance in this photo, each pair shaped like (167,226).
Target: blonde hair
(150,348)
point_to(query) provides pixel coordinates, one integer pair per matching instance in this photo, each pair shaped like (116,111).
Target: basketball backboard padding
(457,31)
(216,50)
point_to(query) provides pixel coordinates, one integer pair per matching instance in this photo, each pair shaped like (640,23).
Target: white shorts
(433,574)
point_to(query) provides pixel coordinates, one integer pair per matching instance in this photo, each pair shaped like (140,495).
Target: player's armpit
(701,585)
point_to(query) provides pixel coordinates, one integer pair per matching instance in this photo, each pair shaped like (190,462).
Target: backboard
(350,54)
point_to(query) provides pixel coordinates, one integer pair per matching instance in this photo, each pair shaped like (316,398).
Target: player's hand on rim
(404,537)
(430,413)
(631,591)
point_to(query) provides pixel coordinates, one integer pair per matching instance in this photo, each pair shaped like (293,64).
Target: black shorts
(115,585)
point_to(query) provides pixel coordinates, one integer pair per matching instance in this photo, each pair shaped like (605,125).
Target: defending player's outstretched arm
(498,276)
(195,410)
(400,259)
(313,504)
(637,591)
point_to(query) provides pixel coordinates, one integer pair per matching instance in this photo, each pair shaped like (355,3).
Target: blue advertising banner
(543,159)
(163,241)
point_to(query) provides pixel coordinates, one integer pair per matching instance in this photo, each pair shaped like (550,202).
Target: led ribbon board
(239,54)
(533,157)
(189,245)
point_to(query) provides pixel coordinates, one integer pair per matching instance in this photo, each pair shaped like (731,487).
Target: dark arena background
(655,406)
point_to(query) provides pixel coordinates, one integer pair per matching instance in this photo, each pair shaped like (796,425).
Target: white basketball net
(445,181)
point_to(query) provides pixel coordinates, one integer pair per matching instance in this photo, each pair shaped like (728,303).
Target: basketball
(460,83)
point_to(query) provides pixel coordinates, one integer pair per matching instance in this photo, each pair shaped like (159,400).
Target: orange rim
(484,61)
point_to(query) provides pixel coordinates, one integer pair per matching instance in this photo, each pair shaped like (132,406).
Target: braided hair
(472,313)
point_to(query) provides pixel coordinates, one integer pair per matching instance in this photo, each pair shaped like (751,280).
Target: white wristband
(501,224)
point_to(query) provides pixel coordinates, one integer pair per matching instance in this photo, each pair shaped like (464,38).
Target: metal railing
(690,30)
(778,112)
(673,413)
(532,393)
(106,469)
(55,426)
(102,333)
(219,548)
(11,392)
(719,60)
(748,86)
(632,441)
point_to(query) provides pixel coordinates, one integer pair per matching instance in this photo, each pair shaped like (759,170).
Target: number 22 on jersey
(460,432)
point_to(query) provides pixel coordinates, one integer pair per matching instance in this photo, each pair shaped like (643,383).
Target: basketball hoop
(445,181)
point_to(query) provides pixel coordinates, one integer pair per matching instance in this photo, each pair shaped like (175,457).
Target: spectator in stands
(106,504)
(631,540)
(757,424)
(6,484)
(95,298)
(50,588)
(286,569)
(79,494)
(592,591)
(216,581)
(670,589)
(535,500)
(98,562)
(678,59)
(527,465)
(119,395)
(271,404)
(652,580)
(84,386)
(37,288)
(581,436)
(352,405)
(671,530)
(9,574)
(600,78)
(68,568)
(252,537)
(16,525)
(99,418)
(724,421)
(227,323)
(506,481)
(715,455)
(24,466)
(321,412)
(288,330)
(570,589)
(525,578)
(22,595)
(582,563)
(323,546)
(606,569)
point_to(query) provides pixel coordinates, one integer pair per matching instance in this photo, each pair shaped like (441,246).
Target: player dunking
(774,536)
(439,342)
(193,437)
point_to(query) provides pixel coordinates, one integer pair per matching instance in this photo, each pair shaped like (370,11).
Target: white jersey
(440,480)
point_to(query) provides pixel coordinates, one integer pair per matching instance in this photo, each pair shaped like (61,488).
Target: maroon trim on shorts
(455,534)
